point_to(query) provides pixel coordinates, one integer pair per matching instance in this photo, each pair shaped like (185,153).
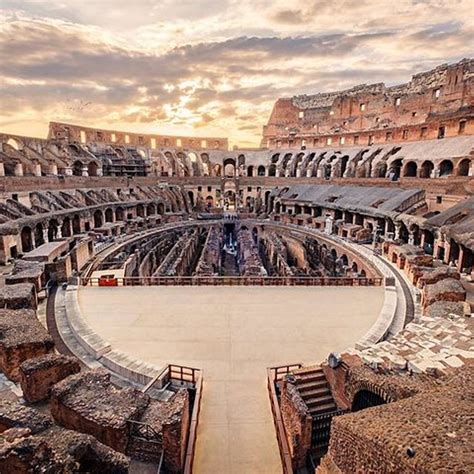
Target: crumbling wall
(38,375)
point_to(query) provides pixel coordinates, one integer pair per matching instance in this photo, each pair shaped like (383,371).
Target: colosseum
(171,305)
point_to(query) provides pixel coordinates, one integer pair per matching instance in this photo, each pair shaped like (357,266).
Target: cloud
(212,67)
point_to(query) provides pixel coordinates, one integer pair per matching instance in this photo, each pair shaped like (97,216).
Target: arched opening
(344,260)
(365,399)
(261,170)
(426,169)
(119,215)
(209,202)
(463,167)
(66,227)
(98,219)
(191,198)
(272,170)
(334,254)
(77,168)
(38,235)
(150,210)
(241,160)
(410,169)
(446,168)
(161,208)
(362,273)
(344,161)
(52,230)
(229,168)
(278,207)
(140,210)
(355,267)
(267,198)
(76,224)
(26,240)
(109,215)
(395,170)
(250,171)
(93,168)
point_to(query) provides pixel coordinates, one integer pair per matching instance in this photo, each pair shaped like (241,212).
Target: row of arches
(34,236)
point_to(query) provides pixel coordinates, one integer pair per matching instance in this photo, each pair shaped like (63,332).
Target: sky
(208,67)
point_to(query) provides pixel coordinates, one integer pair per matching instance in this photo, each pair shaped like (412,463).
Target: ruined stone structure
(433,105)
(366,187)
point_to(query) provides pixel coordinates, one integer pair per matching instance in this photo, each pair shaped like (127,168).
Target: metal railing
(275,374)
(231,281)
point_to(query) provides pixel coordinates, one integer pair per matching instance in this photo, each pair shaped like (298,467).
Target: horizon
(180,70)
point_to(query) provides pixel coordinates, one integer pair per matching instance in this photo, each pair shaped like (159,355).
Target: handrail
(278,421)
(232,281)
(191,444)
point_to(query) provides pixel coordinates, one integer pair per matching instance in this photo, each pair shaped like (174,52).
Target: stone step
(321,409)
(310,377)
(318,401)
(314,392)
(305,387)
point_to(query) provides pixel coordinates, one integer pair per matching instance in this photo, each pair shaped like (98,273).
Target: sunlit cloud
(208,67)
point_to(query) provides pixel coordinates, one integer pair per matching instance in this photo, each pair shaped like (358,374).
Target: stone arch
(109,215)
(427,168)
(209,201)
(119,214)
(250,170)
(150,209)
(98,218)
(446,168)
(261,170)
(344,260)
(38,234)
(277,207)
(140,210)
(53,227)
(161,208)
(77,168)
(76,224)
(395,169)
(272,170)
(26,239)
(229,167)
(410,169)
(66,227)
(241,160)
(463,167)
(366,399)
(93,169)
(191,198)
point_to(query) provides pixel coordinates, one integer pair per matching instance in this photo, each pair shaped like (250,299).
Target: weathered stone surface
(21,337)
(19,296)
(440,309)
(448,289)
(89,403)
(297,423)
(437,274)
(30,442)
(38,375)
(434,424)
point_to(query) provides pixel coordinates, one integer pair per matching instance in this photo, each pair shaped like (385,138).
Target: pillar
(85,171)
(53,169)
(18,169)
(398,227)
(2,169)
(37,169)
(68,171)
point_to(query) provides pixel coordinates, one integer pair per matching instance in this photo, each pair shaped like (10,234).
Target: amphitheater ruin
(170,305)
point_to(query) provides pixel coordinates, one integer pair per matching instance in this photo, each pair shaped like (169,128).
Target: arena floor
(233,334)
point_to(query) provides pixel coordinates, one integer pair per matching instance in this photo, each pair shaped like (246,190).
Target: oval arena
(170,305)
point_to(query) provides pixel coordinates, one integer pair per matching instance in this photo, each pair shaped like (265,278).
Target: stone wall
(297,422)
(37,376)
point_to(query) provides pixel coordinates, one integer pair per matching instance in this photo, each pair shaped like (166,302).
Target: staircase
(314,390)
